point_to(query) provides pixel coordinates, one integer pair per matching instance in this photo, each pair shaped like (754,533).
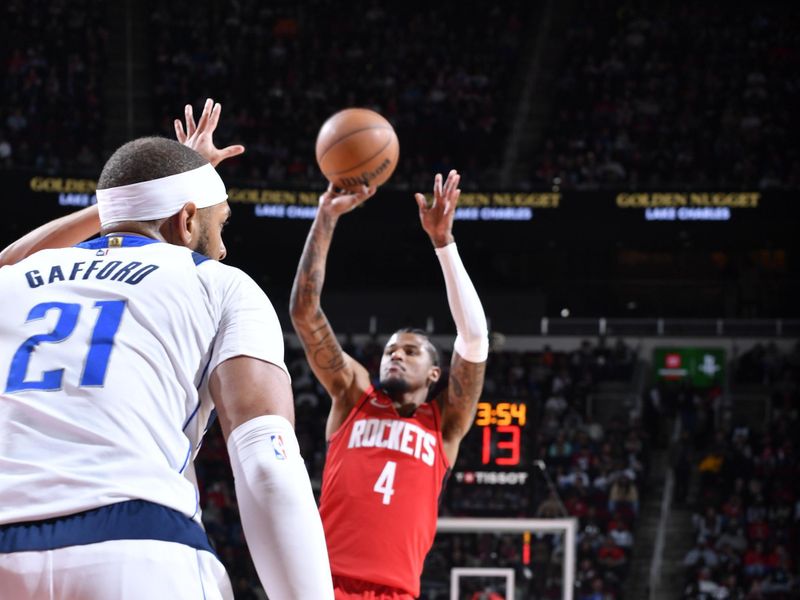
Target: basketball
(356,147)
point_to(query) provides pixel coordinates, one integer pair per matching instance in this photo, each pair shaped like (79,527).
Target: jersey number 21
(96,362)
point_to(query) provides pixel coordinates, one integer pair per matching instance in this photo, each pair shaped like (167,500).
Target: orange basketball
(356,147)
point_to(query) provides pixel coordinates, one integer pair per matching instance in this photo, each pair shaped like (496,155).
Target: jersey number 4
(385,483)
(96,363)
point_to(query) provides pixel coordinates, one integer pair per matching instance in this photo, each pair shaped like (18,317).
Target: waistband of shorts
(129,520)
(351,585)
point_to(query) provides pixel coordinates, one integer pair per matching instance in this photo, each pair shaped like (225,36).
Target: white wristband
(472,340)
(279,515)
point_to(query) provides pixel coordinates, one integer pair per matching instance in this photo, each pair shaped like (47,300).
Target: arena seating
(675,93)
(54,57)
(282,69)
(663,93)
(747,510)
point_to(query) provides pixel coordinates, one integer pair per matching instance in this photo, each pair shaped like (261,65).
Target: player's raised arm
(471,348)
(342,376)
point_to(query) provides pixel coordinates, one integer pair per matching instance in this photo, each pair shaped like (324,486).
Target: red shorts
(346,588)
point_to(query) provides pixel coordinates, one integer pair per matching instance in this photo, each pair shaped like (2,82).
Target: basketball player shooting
(114,356)
(390,448)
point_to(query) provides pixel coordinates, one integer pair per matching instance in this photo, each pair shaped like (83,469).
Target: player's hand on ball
(336,203)
(437,218)
(200,136)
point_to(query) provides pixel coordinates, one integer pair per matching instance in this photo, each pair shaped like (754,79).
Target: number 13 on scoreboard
(502,425)
(508,440)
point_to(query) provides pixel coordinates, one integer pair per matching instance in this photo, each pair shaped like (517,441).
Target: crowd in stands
(597,472)
(646,94)
(747,510)
(680,93)
(441,73)
(53,55)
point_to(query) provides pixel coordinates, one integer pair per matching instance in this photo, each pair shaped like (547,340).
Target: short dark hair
(429,345)
(147,158)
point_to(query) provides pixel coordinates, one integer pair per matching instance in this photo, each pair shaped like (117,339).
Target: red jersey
(380,492)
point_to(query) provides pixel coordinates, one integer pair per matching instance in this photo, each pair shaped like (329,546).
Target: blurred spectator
(703,588)
(708,525)
(623,495)
(612,557)
(596,592)
(703,554)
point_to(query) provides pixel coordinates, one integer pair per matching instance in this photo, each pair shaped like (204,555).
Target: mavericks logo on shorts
(278,446)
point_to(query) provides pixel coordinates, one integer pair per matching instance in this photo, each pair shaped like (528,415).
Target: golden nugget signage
(71,191)
(551,208)
(504,206)
(692,206)
(277,204)
(496,206)
(266,196)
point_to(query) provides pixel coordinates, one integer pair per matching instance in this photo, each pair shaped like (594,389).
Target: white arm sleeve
(472,341)
(280,519)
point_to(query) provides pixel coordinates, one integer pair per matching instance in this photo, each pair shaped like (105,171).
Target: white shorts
(114,570)
(130,550)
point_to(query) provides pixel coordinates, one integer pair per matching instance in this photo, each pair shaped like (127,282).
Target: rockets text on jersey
(395,435)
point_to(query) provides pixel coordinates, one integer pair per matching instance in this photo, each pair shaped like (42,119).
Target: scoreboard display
(498,450)
(501,425)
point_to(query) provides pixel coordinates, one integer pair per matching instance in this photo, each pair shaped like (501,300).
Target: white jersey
(105,356)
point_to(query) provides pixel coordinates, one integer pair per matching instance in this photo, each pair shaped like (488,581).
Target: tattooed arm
(459,402)
(343,377)
(468,366)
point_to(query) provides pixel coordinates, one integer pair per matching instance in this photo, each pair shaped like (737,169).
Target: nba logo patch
(278,447)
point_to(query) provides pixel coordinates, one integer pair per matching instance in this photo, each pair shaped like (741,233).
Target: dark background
(587,255)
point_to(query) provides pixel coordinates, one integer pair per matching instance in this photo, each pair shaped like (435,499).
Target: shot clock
(501,425)
(497,452)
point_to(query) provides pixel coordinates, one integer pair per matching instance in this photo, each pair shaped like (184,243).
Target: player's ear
(433,375)
(184,225)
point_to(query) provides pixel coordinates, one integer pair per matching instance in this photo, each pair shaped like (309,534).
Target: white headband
(159,198)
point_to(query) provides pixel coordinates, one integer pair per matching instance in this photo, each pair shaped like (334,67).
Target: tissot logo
(492,477)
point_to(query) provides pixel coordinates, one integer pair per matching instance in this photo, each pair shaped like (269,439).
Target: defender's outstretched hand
(83,224)
(200,136)
(437,219)
(335,204)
